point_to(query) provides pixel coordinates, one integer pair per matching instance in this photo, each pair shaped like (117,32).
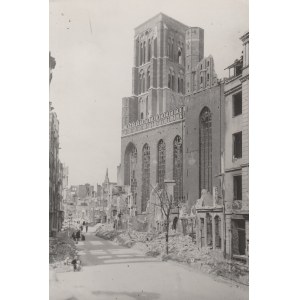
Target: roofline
(244,36)
(162,14)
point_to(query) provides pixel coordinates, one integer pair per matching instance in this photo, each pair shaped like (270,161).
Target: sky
(92,42)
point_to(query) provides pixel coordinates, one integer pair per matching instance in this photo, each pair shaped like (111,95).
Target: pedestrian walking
(86,227)
(74,236)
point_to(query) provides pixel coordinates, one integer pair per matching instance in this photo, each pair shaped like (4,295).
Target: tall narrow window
(177,168)
(237,144)
(145,176)
(179,56)
(144,53)
(142,83)
(141,53)
(182,85)
(178,85)
(237,104)
(173,82)
(130,169)
(193,81)
(205,151)
(237,187)
(148,79)
(169,80)
(161,163)
(172,50)
(147,110)
(149,50)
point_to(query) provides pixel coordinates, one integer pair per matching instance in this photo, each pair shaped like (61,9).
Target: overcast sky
(92,42)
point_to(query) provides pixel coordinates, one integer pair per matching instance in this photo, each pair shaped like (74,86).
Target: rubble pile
(60,248)
(182,249)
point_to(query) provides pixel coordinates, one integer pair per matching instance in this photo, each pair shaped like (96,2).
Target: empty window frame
(205,153)
(161,166)
(237,104)
(237,187)
(145,176)
(237,145)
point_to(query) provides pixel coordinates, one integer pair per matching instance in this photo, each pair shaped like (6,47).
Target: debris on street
(182,249)
(61,250)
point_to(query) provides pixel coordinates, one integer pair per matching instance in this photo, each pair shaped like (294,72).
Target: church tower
(194,49)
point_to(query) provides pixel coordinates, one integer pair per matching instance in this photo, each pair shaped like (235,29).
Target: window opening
(205,150)
(237,104)
(237,145)
(177,168)
(161,166)
(145,176)
(237,187)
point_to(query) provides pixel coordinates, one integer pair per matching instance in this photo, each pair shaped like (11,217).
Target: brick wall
(194,104)
(152,137)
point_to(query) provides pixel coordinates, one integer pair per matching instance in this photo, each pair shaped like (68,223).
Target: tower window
(179,56)
(142,116)
(237,104)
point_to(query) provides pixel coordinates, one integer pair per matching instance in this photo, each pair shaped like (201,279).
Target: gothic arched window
(147,112)
(177,168)
(169,80)
(141,53)
(143,84)
(144,53)
(130,164)
(161,163)
(179,56)
(149,50)
(182,85)
(145,176)
(173,82)
(205,151)
(148,79)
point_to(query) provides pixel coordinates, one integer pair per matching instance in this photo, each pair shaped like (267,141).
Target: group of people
(78,235)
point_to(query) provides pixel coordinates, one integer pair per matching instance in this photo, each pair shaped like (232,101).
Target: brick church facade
(173,124)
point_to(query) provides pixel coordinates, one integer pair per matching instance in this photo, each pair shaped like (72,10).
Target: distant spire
(106,176)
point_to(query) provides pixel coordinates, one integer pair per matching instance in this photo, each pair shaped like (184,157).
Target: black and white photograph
(148,149)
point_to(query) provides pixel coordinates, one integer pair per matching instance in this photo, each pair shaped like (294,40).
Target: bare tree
(166,204)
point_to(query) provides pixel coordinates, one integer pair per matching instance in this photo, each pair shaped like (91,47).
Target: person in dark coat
(74,236)
(86,227)
(78,235)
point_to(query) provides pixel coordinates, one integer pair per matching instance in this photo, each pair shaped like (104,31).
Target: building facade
(174,86)
(57,172)
(237,156)
(182,123)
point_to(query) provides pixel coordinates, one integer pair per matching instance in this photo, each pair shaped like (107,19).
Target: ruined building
(172,85)
(237,156)
(173,128)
